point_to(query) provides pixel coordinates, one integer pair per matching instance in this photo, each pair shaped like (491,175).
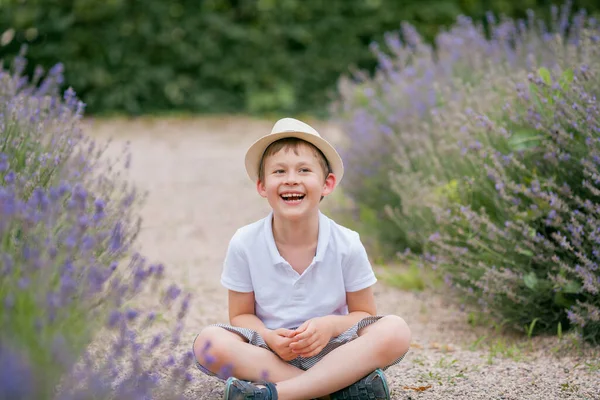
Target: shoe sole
(384,380)
(227,385)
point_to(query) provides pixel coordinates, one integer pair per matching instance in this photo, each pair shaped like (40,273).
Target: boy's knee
(395,334)
(208,346)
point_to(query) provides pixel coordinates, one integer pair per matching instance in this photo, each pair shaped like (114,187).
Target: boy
(301,307)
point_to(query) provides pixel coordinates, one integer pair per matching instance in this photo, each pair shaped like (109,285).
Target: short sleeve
(236,271)
(358,273)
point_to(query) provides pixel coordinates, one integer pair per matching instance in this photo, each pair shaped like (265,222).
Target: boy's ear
(329,184)
(260,188)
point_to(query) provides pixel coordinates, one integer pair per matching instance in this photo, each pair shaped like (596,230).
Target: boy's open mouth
(292,198)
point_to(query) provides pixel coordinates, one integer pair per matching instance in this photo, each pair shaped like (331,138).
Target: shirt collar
(322,239)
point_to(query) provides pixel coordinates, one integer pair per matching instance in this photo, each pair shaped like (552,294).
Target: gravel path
(199,195)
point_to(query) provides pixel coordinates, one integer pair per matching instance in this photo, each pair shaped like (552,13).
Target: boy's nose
(291,178)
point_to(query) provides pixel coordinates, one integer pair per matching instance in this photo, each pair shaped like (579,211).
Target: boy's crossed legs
(377,346)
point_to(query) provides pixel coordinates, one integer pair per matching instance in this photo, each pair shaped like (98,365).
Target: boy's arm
(236,278)
(358,280)
(361,304)
(241,312)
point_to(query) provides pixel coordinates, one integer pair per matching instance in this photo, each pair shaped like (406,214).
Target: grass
(593,366)
(409,277)
(499,344)
(502,347)
(445,371)
(568,387)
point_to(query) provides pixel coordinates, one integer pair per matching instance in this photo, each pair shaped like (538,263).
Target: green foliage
(58,210)
(68,265)
(495,156)
(218,55)
(409,278)
(523,251)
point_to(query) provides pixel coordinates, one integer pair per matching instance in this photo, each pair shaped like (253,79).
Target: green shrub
(217,56)
(68,268)
(63,225)
(405,124)
(530,250)
(496,172)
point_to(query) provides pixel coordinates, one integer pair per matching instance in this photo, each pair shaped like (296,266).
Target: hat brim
(257,149)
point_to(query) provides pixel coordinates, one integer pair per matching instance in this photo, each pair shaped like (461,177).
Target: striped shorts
(255,339)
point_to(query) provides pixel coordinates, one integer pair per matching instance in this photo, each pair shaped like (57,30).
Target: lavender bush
(68,270)
(530,250)
(494,168)
(407,118)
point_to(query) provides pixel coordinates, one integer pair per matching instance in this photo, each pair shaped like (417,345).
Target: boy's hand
(279,341)
(311,337)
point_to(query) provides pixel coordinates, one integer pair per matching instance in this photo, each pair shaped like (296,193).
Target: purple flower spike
(173,292)
(23,283)
(99,209)
(116,239)
(67,240)
(160,269)
(131,314)
(156,340)
(185,304)
(7,264)
(10,177)
(3,162)
(16,376)
(9,301)
(209,359)
(114,318)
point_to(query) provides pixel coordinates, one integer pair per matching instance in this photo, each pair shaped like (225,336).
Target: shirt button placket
(298,290)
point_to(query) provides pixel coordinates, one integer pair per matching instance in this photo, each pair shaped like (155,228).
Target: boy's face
(294,183)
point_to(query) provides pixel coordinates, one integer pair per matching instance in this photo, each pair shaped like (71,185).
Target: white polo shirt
(284,298)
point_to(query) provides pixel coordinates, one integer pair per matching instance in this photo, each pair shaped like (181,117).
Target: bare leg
(248,362)
(378,345)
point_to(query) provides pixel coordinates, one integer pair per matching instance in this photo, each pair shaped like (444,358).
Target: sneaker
(372,387)
(236,389)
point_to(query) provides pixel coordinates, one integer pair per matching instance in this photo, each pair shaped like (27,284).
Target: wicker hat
(287,128)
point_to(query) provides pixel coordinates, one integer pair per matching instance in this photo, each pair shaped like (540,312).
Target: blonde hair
(293,144)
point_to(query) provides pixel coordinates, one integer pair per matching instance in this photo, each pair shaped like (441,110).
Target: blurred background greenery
(221,56)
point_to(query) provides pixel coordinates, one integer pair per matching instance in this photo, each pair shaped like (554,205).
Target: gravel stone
(199,195)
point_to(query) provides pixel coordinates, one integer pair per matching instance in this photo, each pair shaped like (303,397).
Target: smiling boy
(301,303)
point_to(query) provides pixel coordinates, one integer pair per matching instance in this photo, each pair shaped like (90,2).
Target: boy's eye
(304,170)
(279,171)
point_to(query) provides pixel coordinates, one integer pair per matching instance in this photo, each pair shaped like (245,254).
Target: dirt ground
(199,195)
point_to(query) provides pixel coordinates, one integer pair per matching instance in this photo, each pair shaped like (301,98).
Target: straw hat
(290,127)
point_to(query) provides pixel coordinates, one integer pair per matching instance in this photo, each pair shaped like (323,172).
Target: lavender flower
(67,219)
(484,154)
(16,374)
